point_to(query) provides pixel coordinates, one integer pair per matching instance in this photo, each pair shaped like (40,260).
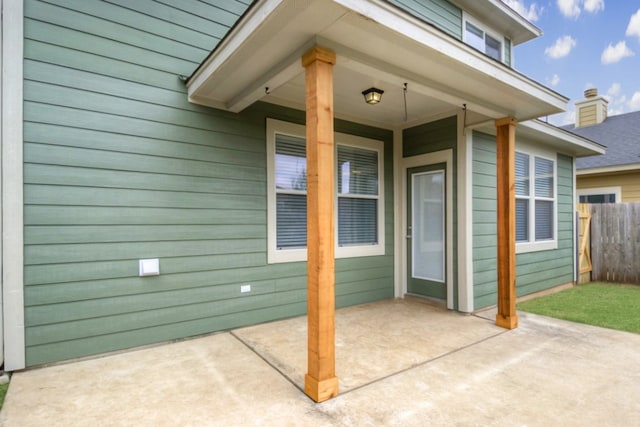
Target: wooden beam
(320,382)
(507,316)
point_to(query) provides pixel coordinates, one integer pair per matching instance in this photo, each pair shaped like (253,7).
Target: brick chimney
(592,110)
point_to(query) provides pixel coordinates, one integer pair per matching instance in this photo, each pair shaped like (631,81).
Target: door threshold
(436,302)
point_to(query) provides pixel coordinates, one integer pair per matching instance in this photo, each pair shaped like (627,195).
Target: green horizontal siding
(542,270)
(119,166)
(440,13)
(535,270)
(485,262)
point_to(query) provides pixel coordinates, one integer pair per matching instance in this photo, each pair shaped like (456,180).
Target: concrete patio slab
(546,372)
(373,341)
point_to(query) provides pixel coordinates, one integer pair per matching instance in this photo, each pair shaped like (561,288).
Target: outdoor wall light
(372,95)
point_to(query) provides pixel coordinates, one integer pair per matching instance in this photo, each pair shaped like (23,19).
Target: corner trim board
(12,185)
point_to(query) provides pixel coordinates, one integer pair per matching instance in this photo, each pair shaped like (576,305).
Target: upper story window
(359,194)
(483,39)
(536,201)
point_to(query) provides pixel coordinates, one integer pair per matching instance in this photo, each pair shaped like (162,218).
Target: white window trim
(598,191)
(543,245)
(275,255)
(487,30)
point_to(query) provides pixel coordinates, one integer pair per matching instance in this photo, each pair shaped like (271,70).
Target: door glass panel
(428,212)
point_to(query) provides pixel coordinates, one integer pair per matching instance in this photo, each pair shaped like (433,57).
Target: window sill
(526,247)
(300,255)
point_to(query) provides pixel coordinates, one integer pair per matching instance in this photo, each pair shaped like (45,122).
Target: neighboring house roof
(620,134)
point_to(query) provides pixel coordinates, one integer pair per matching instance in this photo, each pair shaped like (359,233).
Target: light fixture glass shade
(372,95)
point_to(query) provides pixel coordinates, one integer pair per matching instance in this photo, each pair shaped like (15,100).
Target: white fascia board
(12,183)
(515,16)
(610,169)
(256,15)
(553,134)
(401,22)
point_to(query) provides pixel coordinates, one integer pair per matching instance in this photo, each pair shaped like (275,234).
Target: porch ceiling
(377,45)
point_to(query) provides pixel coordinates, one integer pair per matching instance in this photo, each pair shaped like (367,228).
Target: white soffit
(372,38)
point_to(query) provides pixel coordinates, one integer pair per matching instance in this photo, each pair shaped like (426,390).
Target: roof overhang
(376,44)
(560,139)
(556,138)
(609,169)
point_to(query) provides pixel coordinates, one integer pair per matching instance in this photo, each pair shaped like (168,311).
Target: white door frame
(444,156)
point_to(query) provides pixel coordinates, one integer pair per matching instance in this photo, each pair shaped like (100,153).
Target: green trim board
(119,166)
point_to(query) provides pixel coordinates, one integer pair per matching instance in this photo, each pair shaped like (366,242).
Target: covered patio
(319,57)
(400,362)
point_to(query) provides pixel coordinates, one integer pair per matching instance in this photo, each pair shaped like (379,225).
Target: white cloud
(616,99)
(554,80)
(531,13)
(593,6)
(573,8)
(634,102)
(569,8)
(613,54)
(633,29)
(614,90)
(561,48)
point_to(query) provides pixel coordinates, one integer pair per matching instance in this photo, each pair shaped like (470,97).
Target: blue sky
(585,43)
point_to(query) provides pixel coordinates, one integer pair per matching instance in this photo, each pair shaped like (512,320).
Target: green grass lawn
(600,304)
(3,392)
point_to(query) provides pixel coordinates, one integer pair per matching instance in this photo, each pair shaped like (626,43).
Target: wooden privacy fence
(612,233)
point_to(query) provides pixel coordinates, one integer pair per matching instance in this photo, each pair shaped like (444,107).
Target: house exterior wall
(119,166)
(429,138)
(440,13)
(535,270)
(629,183)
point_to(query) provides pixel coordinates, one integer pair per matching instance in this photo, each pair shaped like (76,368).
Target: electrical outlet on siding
(245,288)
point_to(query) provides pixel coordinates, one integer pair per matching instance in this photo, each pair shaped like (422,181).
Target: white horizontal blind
(357,196)
(544,194)
(522,196)
(291,192)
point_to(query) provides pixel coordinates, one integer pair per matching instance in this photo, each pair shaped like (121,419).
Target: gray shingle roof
(620,134)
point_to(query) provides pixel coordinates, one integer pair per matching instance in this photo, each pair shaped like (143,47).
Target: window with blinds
(359,194)
(291,192)
(535,198)
(478,36)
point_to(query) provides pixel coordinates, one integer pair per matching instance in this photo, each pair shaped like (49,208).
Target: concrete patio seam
(424,363)
(401,371)
(253,350)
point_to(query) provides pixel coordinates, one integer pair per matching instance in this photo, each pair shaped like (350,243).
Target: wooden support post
(507,316)
(320,382)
